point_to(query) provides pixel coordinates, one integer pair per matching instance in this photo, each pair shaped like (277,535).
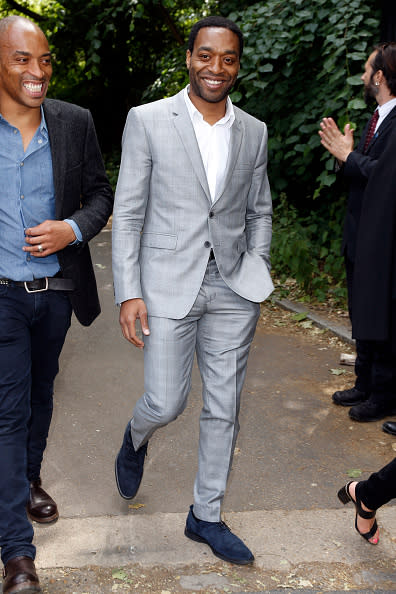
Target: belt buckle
(36,290)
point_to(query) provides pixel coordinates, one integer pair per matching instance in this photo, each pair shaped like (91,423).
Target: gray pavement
(294,451)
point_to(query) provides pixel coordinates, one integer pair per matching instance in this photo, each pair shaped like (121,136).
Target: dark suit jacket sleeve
(358,166)
(375,273)
(96,193)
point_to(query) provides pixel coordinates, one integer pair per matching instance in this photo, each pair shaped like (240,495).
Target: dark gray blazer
(82,193)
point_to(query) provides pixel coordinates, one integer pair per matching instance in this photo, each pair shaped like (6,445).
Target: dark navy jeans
(33,328)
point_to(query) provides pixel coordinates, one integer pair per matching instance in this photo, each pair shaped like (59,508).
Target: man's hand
(130,311)
(338,144)
(51,236)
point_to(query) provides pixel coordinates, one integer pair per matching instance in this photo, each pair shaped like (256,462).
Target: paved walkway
(294,451)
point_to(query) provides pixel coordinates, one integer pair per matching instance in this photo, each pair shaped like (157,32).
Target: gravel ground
(217,578)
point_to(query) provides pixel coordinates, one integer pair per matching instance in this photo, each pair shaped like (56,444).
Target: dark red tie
(371,129)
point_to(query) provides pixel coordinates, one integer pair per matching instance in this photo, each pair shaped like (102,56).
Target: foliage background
(302,61)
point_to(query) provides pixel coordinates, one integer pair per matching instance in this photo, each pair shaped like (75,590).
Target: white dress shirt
(213,142)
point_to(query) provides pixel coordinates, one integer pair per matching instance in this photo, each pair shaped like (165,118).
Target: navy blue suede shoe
(218,536)
(129,466)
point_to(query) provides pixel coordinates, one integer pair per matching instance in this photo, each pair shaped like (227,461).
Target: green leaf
(299,317)
(354,473)
(119,574)
(354,80)
(236,96)
(266,68)
(357,104)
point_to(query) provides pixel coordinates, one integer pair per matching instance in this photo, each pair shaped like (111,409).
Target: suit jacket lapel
(233,154)
(185,129)
(57,130)
(382,128)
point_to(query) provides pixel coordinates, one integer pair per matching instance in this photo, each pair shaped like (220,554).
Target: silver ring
(40,248)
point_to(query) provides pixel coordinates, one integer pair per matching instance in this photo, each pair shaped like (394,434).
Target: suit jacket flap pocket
(158,240)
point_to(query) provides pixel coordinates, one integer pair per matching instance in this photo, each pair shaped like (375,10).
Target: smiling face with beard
(213,66)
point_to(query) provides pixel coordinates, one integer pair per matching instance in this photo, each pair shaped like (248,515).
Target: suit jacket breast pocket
(164,241)
(243,174)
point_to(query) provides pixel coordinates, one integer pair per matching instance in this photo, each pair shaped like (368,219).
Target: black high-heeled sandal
(345,497)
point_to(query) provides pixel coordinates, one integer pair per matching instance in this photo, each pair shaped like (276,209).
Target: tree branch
(26,11)
(172,26)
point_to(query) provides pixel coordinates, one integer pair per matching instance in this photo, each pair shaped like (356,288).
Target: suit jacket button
(207,244)
(211,214)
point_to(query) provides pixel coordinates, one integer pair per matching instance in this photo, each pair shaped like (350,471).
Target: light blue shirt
(27,199)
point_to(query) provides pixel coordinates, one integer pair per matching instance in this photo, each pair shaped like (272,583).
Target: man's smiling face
(213,64)
(25,66)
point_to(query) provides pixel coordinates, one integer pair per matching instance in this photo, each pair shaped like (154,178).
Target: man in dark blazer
(54,197)
(373,396)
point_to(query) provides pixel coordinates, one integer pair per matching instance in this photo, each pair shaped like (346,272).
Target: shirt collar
(196,115)
(43,123)
(387,107)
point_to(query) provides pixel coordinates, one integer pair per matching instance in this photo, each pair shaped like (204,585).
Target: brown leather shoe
(20,577)
(41,507)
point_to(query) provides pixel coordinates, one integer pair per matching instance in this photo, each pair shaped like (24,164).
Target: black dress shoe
(389,427)
(129,466)
(349,397)
(373,409)
(20,577)
(41,507)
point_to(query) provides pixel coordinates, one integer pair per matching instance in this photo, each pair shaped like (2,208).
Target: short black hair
(215,21)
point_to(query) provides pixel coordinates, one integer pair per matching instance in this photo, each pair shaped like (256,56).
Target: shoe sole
(197,538)
(355,403)
(50,520)
(25,588)
(371,419)
(127,497)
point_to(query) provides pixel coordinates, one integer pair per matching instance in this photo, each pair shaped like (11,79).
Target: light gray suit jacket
(165,223)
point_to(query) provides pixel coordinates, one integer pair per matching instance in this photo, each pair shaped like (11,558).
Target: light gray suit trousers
(219,328)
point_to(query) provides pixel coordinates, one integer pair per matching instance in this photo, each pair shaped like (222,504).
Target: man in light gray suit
(191,243)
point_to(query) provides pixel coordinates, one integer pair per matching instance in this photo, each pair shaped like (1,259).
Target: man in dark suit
(374,309)
(373,396)
(54,197)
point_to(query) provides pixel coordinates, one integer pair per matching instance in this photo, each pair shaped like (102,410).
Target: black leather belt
(41,284)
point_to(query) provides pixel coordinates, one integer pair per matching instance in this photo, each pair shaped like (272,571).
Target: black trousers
(375,366)
(379,488)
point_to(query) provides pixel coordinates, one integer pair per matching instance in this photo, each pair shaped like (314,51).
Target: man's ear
(188,58)
(379,76)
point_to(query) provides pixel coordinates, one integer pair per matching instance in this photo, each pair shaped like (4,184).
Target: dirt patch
(218,578)
(277,320)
